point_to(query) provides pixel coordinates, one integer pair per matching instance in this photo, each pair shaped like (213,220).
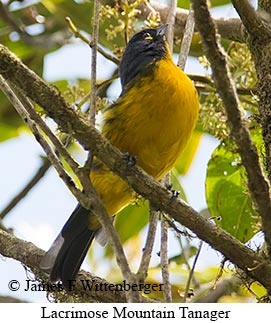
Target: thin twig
(211,85)
(171,22)
(187,39)
(178,231)
(164,260)
(184,249)
(33,181)
(102,214)
(93,82)
(8,19)
(191,272)
(126,24)
(99,88)
(78,34)
(94,43)
(164,249)
(142,272)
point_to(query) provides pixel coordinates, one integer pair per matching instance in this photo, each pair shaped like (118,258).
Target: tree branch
(43,94)
(255,25)
(142,272)
(239,130)
(226,286)
(164,260)
(171,22)
(94,47)
(259,42)
(78,34)
(9,299)
(187,39)
(28,254)
(191,273)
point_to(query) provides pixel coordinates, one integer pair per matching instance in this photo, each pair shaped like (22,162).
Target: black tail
(68,251)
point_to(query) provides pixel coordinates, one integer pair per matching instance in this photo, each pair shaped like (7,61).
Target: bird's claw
(131,160)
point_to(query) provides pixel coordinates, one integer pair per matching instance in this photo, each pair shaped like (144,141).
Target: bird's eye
(148,36)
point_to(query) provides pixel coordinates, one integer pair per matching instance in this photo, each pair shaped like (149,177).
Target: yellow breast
(154,118)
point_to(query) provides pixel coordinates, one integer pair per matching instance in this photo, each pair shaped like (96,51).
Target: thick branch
(9,299)
(227,286)
(30,255)
(255,25)
(259,42)
(160,198)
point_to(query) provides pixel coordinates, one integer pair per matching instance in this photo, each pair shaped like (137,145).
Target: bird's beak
(161,30)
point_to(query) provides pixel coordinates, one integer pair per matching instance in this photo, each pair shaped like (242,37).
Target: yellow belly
(152,121)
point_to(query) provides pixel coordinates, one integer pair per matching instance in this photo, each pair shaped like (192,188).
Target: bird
(152,120)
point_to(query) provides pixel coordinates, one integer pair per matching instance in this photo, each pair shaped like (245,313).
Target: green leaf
(227,194)
(129,222)
(132,219)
